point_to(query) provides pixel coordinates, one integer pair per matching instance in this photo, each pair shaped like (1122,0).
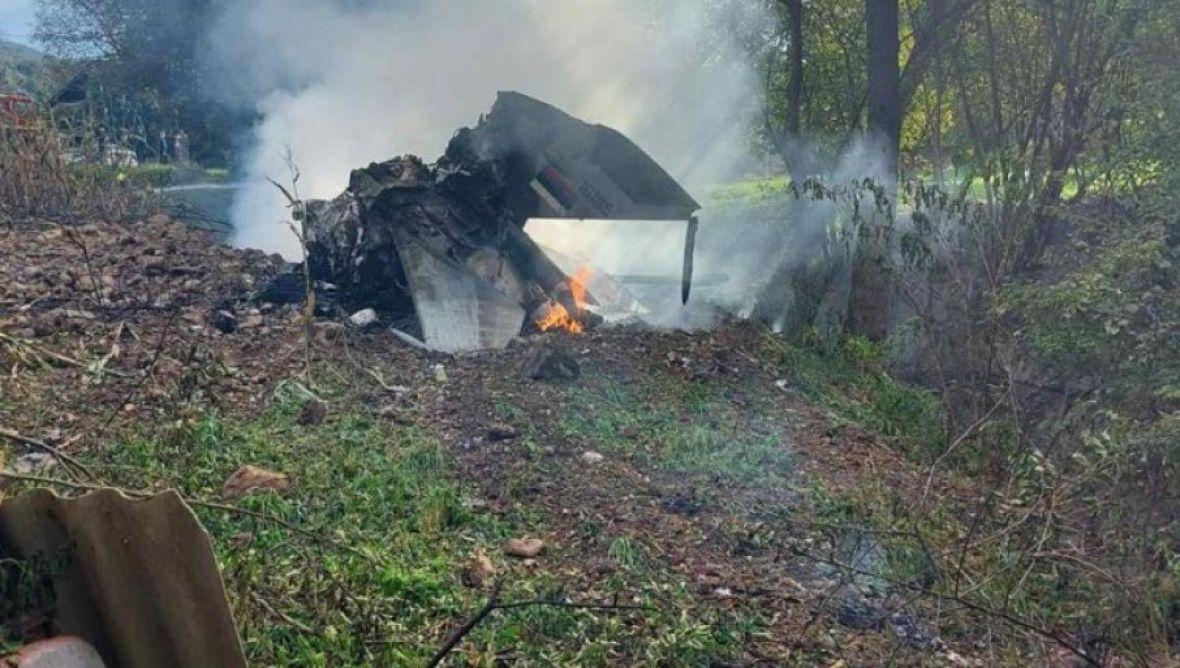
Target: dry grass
(38,179)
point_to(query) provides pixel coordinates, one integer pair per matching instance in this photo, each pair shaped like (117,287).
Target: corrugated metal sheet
(141,583)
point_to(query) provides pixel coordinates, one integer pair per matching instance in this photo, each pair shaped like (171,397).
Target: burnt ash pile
(441,249)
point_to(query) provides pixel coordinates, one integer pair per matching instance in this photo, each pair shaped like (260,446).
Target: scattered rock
(440,373)
(286,288)
(46,326)
(551,362)
(224,321)
(681,505)
(312,413)
(524,548)
(396,414)
(855,613)
(591,457)
(252,321)
(479,572)
(363,318)
(252,479)
(499,431)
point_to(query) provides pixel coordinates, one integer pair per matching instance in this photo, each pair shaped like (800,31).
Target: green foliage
(1113,319)
(852,381)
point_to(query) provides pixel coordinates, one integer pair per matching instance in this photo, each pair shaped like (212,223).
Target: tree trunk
(795,85)
(869,304)
(884,76)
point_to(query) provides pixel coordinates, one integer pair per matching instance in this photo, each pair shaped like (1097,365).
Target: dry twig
(494,604)
(42,445)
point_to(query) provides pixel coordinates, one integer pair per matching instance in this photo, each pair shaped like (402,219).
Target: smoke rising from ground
(344,83)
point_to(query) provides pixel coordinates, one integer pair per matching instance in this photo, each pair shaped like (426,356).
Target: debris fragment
(445,241)
(440,373)
(251,479)
(363,318)
(524,548)
(551,362)
(591,457)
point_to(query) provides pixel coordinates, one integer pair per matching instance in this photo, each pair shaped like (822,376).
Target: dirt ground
(108,330)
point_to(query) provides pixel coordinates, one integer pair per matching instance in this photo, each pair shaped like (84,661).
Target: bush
(38,179)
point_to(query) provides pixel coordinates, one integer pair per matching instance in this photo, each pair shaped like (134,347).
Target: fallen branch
(300,626)
(42,445)
(65,360)
(494,604)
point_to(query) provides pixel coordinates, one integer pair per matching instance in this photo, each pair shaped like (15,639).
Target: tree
(869,306)
(884,78)
(795,83)
(145,58)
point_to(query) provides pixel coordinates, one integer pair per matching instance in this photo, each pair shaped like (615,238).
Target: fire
(557,316)
(578,283)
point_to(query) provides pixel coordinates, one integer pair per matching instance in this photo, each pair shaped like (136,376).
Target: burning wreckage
(446,242)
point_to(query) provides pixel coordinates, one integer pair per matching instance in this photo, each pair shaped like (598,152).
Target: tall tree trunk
(884,75)
(937,11)
(869,307)
(795,85)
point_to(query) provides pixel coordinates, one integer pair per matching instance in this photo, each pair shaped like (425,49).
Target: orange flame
(557,316)
(578,283)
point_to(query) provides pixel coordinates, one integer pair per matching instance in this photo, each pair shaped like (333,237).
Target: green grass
(751,191)
(155,175)
(383,491)
(391,494)
(674,424)
(852,383)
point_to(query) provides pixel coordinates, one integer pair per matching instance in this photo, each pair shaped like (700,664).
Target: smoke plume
(343,83)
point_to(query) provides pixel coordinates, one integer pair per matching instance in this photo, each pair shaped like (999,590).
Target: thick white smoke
(342,85)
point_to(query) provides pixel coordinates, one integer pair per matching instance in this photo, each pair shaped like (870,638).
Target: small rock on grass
(396,414)
(499,431)
(591,457)
(524,548)
(313,412)
(225,321)
(251,321)
(251,479)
